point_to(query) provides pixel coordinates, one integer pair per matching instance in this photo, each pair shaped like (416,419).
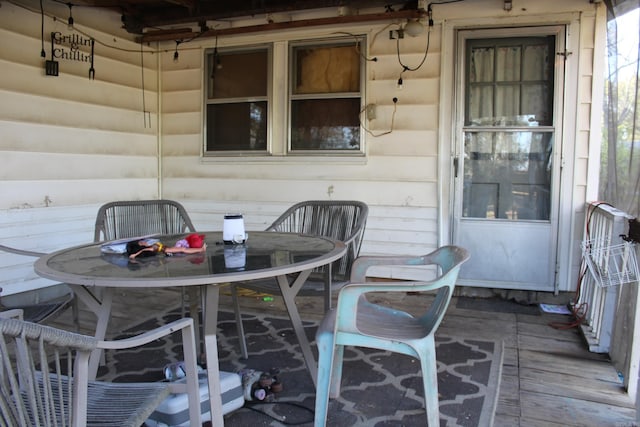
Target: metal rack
(611,265)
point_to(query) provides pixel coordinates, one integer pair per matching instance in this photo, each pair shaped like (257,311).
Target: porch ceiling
(142,16)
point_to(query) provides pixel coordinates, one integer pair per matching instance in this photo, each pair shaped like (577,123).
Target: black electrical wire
(424,58)
(254,405)
(42,52)
(580,310)
(144,105)
(357,46)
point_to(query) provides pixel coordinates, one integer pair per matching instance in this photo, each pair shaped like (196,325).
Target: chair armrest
(398,286)
(17,251)
(362,264)
(351,238)
(185,325)
(147,337)
(447,259)
(13,313)
(350,294)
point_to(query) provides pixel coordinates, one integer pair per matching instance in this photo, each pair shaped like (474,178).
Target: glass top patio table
(287,257)
(263,255)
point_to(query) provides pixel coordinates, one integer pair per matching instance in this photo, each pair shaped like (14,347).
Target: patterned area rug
(378,388)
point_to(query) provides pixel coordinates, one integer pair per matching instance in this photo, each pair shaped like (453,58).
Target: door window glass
(507,175)
(508,133)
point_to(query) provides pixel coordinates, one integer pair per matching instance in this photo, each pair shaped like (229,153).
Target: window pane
(536,64)
(481,105)
(513,89)
(326,69)
(508,66)
(481,65)
(536,104)
(237,126)
(325,124)
(507,175)
(237,74)
(507,102)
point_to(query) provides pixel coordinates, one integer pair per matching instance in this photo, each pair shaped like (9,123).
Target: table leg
(239,324)
(210,314)
(102,310)
(289,292)
(194,304)
(327,287)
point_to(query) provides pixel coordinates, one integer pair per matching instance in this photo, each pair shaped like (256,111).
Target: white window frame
(278,100)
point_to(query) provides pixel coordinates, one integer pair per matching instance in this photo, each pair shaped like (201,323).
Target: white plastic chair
(44,378)
(356,321)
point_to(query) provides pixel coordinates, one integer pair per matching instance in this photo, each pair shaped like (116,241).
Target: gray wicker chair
(44,378)
(40,305)
(122,219)
(343,220)
(133,218)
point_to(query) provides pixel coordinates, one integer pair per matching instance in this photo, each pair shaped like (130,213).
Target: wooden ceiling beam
(161,35)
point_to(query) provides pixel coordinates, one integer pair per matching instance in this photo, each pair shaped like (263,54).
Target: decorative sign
(67,47)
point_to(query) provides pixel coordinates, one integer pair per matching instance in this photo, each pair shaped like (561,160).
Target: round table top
(264,254)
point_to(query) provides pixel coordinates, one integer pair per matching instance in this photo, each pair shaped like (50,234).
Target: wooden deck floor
(548,377)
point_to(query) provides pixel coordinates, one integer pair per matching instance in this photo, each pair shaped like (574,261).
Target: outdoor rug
(378,388)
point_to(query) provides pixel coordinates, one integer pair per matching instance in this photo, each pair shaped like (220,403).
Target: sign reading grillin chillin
(59,42)
(67,47)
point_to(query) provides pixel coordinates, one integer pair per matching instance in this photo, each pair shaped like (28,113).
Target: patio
(135,130)
(548,376)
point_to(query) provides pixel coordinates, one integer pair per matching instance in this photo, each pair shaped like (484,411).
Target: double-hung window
(321,112)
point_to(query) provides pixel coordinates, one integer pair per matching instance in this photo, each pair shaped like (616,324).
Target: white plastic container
(233,229)
(174,410)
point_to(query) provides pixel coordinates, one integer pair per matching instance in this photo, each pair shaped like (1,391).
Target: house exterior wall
(579,121)
(397,177)
(68,140)
(71,144)
(68,143)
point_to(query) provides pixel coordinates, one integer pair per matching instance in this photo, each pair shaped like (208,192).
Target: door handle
(455,166)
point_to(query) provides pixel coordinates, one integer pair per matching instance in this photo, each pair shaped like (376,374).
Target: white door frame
(565,131)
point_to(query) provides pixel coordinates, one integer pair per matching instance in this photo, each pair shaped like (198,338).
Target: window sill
(355,159)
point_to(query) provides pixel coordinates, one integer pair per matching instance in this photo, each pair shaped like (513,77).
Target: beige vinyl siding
(398,174)
(43,229)
(68,139)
